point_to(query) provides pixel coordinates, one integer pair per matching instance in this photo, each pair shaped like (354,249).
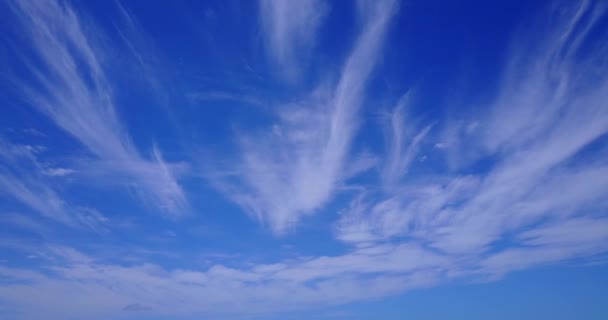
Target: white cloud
(560,240)
(24,178)
(83,287)
(399,159)
(539,200)
(76,95)
(294,169)
(58,172)
(35,195)
(290,30)
(550,108)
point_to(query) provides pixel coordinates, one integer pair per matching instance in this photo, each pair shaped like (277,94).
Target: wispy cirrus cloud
(24,178)
(290,30)
(546,182)
(95,288)
(553,242)
(294,169)
(105,290)
(529,191)
(72,89)
(21,178)
(403,143)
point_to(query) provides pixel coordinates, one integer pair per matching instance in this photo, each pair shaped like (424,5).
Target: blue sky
(303,159)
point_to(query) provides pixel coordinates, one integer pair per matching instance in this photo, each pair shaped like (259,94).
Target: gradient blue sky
(303,159)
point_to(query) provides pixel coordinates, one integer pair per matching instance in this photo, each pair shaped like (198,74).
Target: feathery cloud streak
(290,29)
(533,131)
(21,178)
(291,285)
(74,92)
(519,184)
(294,169)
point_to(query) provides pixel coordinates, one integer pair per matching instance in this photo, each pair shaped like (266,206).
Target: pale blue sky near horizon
(305,159)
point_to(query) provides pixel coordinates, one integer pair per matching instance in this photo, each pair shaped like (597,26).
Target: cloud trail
(550,108)
(294,169)
(74,92)
(290,30)
(530,191)
(25,178)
